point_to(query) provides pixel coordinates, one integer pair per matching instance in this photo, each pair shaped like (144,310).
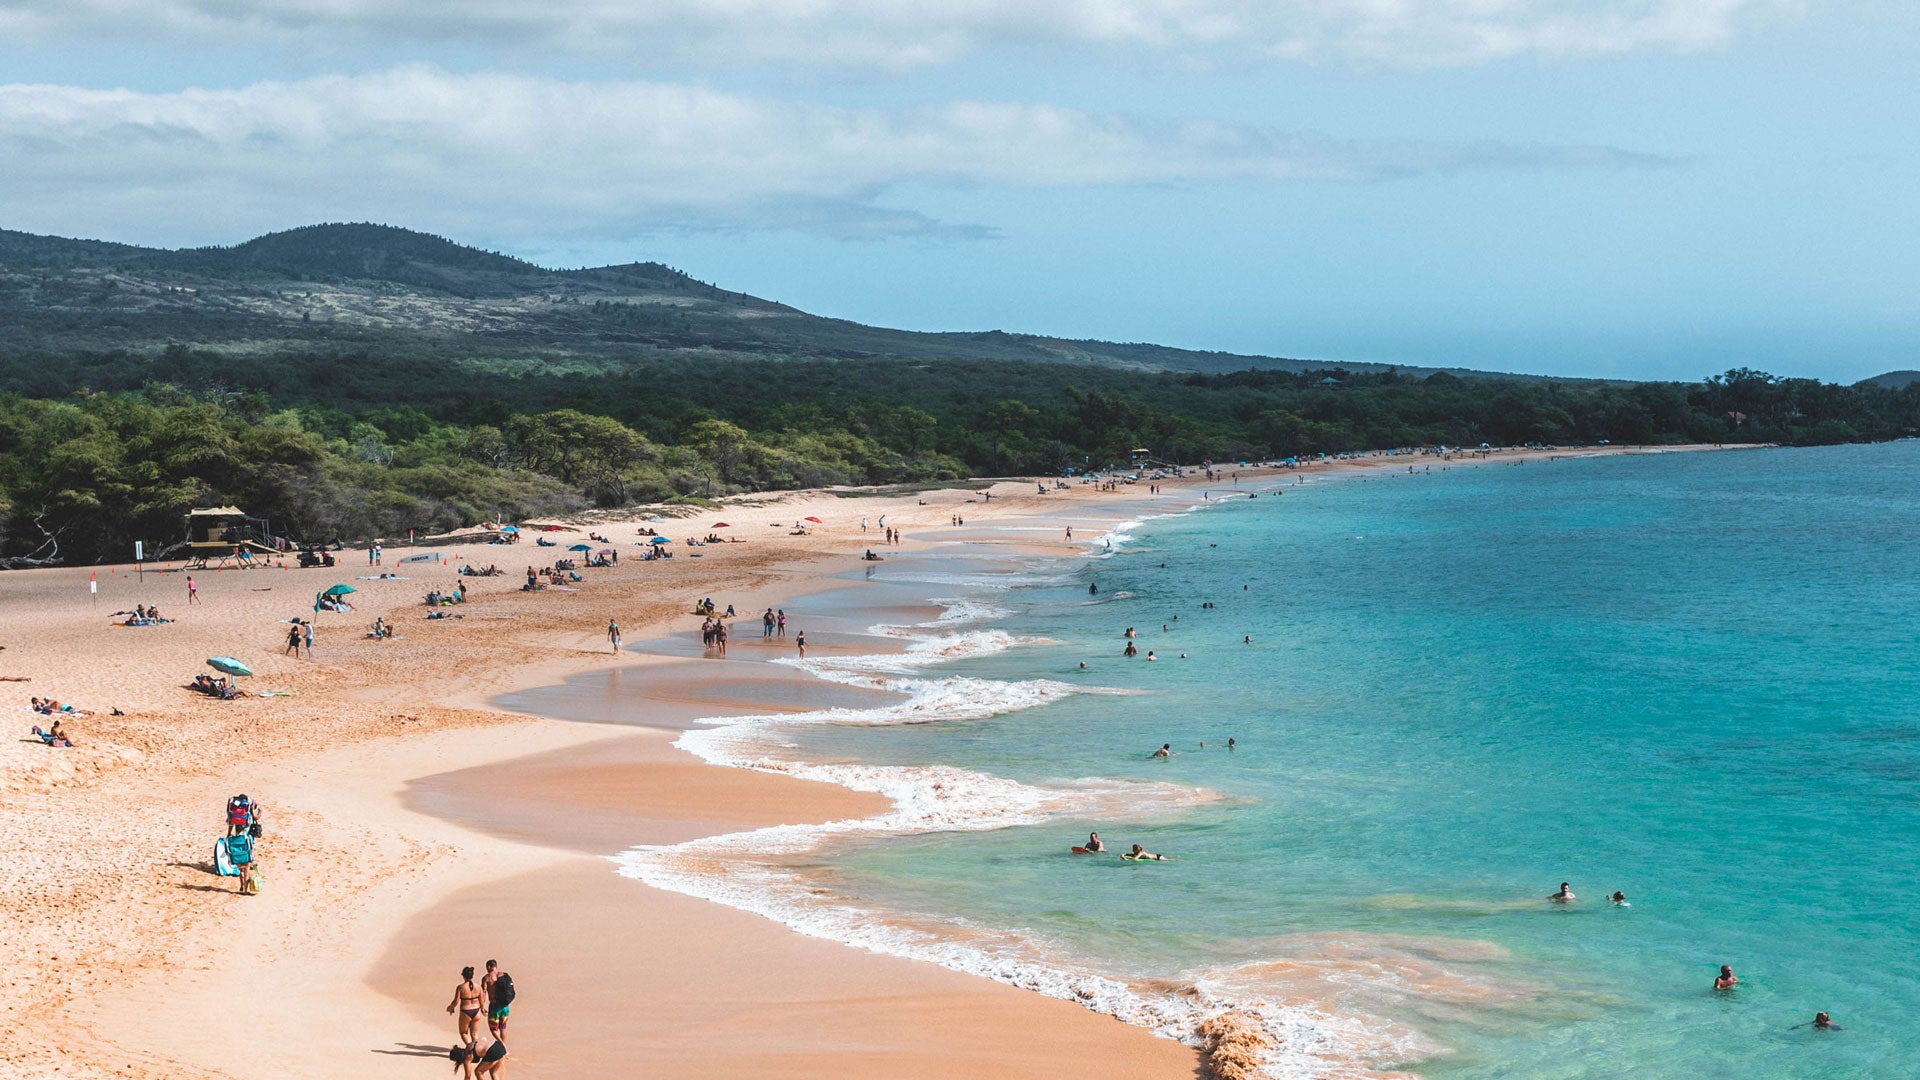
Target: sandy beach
(414,824)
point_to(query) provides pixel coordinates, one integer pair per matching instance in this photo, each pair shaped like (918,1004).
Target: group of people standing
(482,1048)
(300,634)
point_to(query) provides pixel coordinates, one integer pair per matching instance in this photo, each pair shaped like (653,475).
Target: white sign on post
(139,550)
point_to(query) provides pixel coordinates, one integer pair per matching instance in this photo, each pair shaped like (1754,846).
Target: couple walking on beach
(482,1051)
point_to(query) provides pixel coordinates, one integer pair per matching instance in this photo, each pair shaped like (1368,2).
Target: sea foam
(754,870)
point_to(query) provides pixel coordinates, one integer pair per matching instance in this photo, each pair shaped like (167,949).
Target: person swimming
(1823,1022)
(1166,750)
(1619,899)
(1565,895)
(1094,844)
(1727,980)
(1139,853)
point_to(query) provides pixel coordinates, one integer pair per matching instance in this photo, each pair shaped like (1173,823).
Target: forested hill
(353,381)
(380,290)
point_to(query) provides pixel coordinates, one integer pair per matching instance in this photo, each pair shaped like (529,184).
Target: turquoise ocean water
(1689,677)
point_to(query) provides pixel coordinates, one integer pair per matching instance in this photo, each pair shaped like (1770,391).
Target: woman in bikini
(470,1000)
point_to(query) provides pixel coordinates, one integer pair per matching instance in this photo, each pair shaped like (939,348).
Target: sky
(1612,188)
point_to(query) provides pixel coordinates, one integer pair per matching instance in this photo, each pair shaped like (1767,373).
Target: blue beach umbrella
(228,665)
(660,540)
(581,547)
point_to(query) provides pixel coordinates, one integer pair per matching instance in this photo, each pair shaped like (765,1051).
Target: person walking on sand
(470,1000)
(766,626)
(293,638)
(613,635)
(240,852)
(193,594)
(800,639)
(306,636)
(500,994)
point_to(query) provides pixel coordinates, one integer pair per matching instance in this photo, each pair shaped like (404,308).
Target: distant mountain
(375,288)
(1892,380)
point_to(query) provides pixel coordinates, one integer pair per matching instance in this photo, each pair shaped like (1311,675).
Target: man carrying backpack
(499,988)
(239,815)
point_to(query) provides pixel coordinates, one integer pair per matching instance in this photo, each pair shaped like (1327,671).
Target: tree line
(97,451)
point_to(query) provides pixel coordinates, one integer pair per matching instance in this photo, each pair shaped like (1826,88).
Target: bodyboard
(222,862)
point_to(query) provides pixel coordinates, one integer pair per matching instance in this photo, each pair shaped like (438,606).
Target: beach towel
(222,861)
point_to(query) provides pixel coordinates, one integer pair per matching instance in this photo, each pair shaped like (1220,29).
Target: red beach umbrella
(816,521)
(721,525)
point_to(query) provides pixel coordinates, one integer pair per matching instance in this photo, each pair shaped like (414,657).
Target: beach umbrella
(660,540)
(816,521)
(581,547)
(339,590)
(228,665)
(608,551)
(509,528)
(721,525)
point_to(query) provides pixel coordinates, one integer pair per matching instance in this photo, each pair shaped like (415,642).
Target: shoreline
(355,851)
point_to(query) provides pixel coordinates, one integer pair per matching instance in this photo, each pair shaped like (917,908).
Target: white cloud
(900,34)
(513,156)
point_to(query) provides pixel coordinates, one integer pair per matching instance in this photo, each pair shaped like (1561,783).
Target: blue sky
(1627,188)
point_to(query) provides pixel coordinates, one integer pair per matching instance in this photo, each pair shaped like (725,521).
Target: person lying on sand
(1139,854)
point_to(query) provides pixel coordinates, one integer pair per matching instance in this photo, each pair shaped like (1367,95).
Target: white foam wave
(955,611)
(745,870)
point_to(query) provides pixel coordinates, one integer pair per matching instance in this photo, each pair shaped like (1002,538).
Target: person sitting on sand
(60,737)
(1565,895)
(1166,750)
(1094,844)
(51,736)
(1139,853)
(471,1001)
(1726,980)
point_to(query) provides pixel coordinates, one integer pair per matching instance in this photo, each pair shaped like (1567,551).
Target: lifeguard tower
(226,536)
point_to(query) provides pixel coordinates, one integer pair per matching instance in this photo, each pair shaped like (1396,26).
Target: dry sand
(411,829)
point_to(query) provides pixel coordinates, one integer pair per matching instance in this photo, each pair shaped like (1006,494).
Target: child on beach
(800,639)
